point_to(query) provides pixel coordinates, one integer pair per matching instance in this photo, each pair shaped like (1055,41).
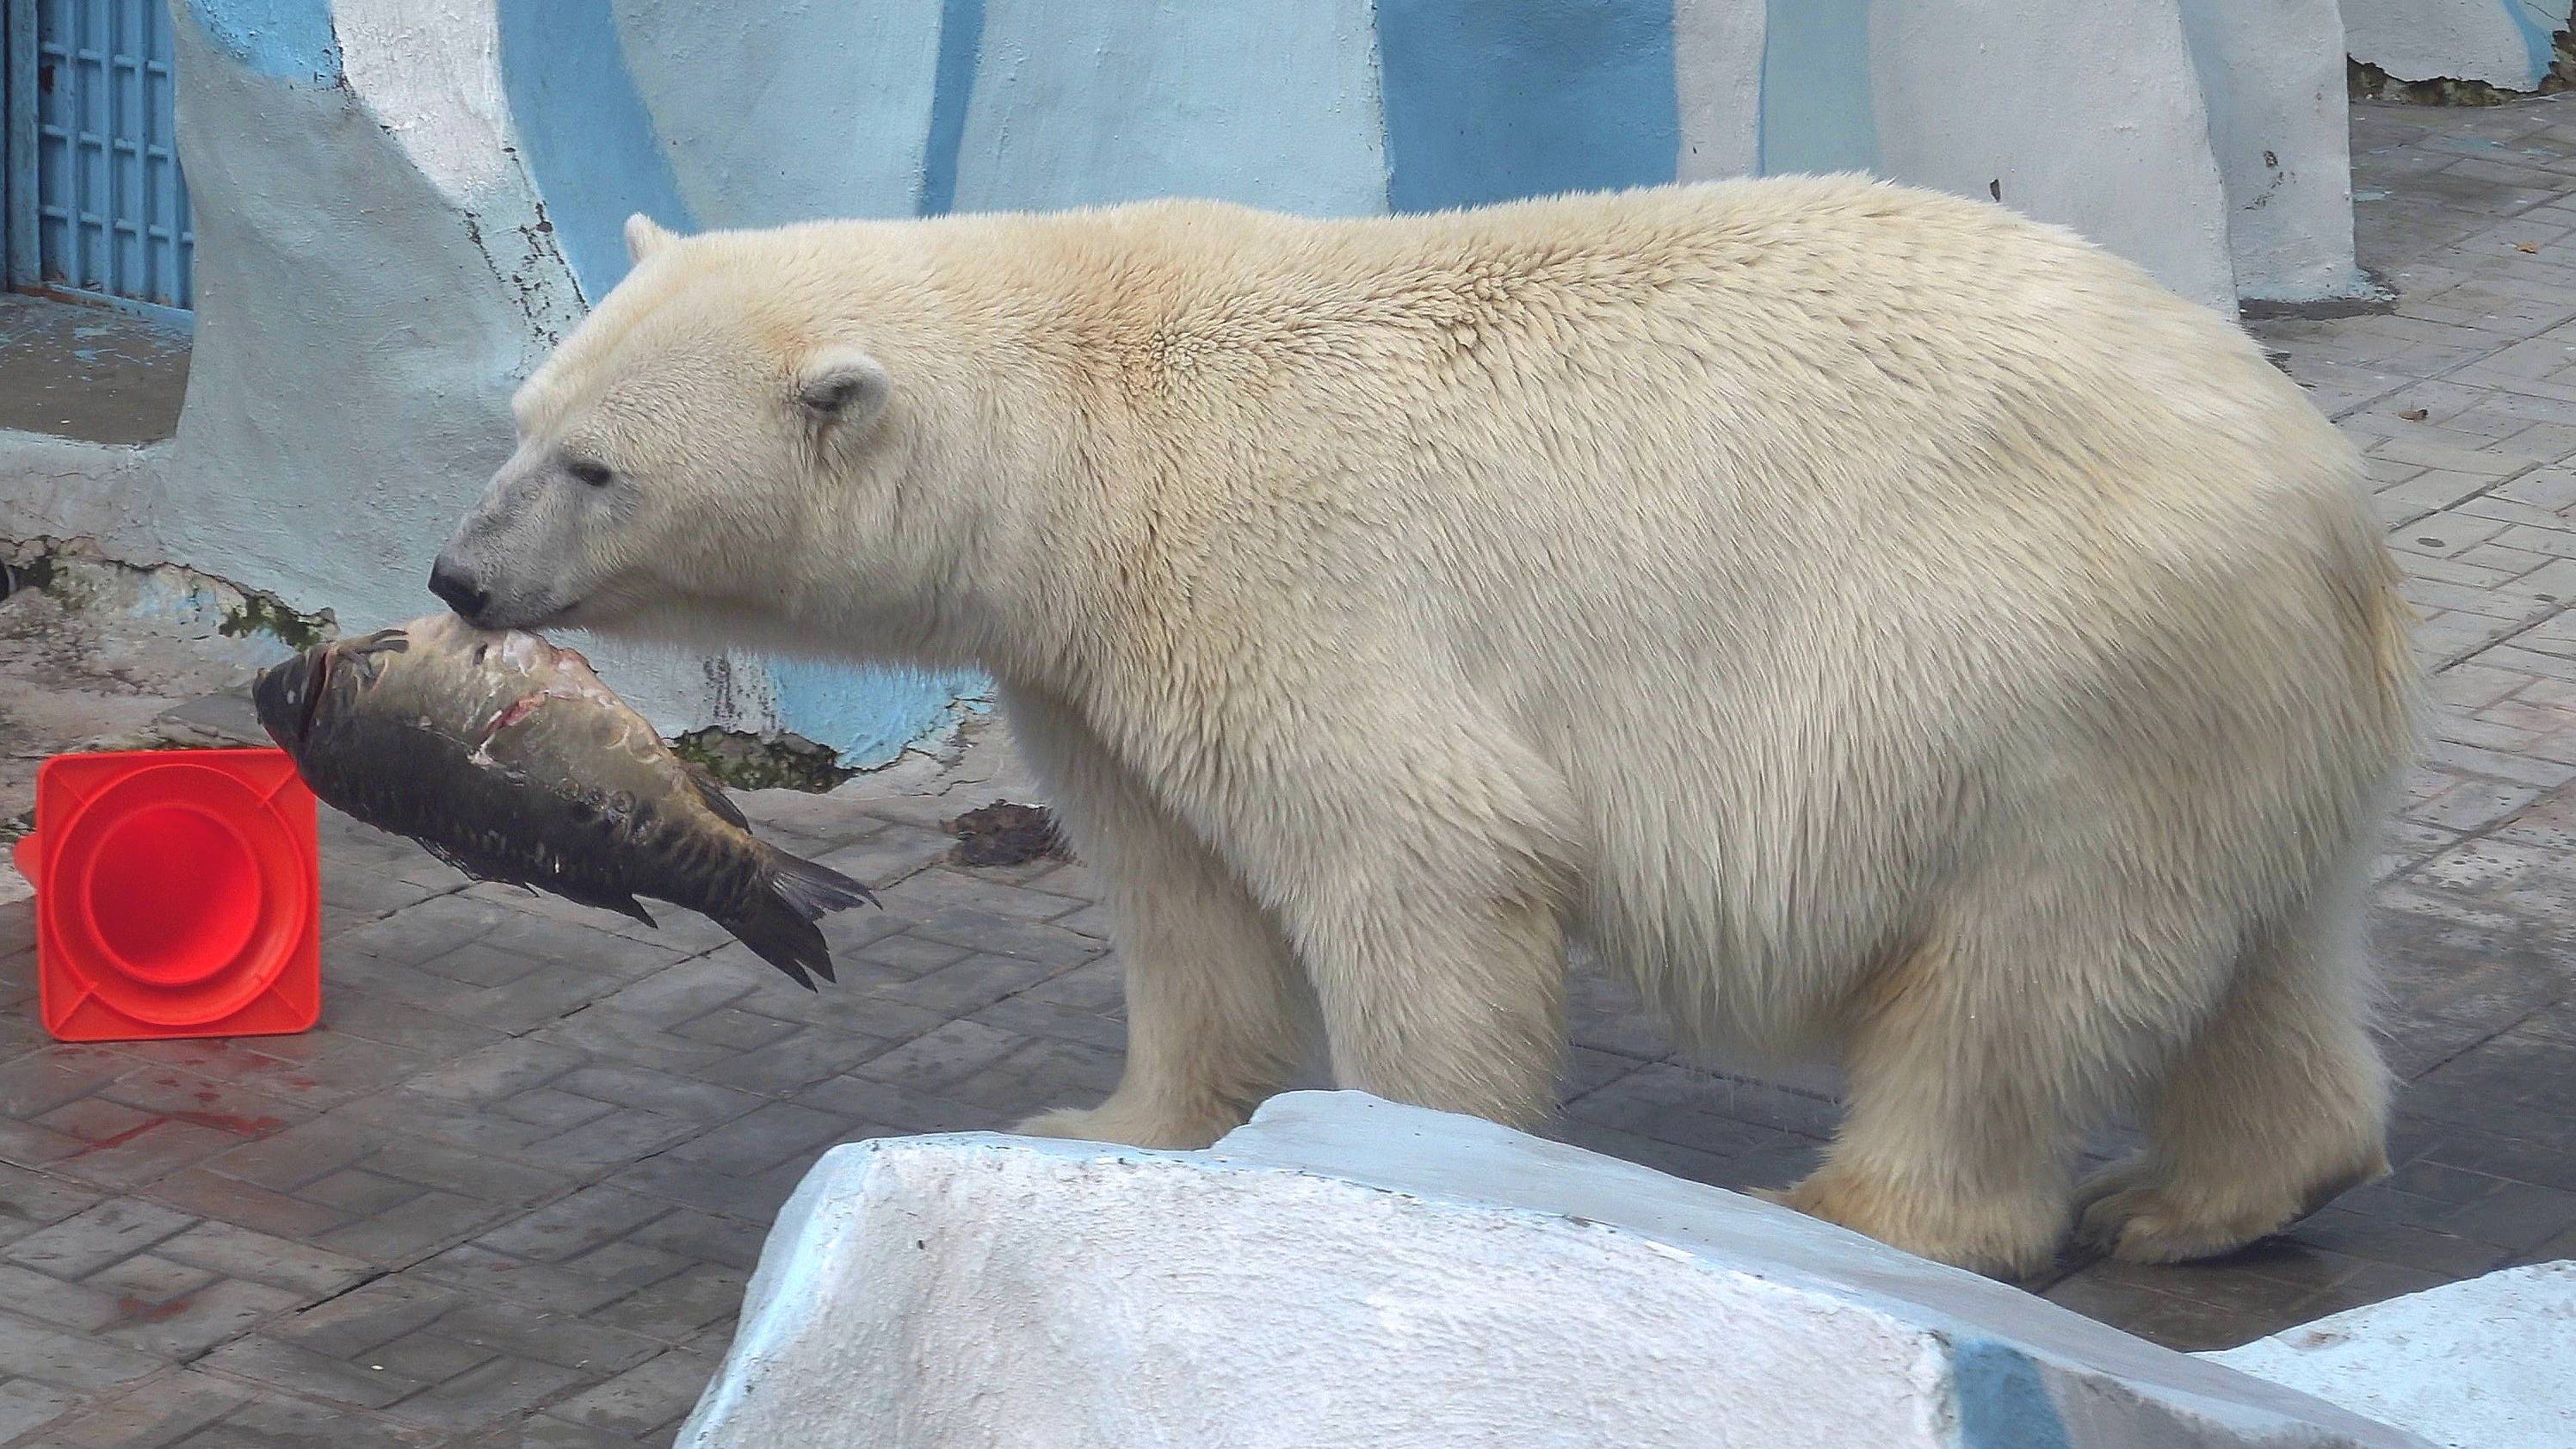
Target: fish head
(292,697)
(288,695)
(696,433)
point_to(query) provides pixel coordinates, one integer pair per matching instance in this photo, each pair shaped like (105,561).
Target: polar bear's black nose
(457,588)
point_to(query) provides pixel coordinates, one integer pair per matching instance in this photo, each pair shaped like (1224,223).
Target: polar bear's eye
(594,473)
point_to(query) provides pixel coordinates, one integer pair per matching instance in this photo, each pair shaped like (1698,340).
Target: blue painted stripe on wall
(870,716)
(2538,33)
(1487,102)
(2003,1401)
(1816,108)
(1092,102)
(588,141)
(961,47)
(281,39)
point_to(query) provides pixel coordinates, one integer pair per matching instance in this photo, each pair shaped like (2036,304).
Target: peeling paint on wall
(2509,45)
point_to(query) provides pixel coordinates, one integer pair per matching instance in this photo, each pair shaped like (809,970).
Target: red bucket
(178,894)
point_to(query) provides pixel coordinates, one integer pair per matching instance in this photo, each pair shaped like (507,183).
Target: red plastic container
(178,894)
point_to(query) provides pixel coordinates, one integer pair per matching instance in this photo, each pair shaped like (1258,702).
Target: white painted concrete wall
(2092,116)
(2273,89)
(1345,1271)
(1717,87)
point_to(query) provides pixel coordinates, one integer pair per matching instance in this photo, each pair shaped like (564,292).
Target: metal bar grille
(111,204)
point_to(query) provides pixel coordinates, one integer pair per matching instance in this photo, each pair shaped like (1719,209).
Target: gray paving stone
(30,1350)
(429,1357)
(185,1326)
(1030,1016)
(373,1313)
(645,1397)
(273,1421)
(809,1055)
(96,1236)
(879,1108)
(499,1277)
(212,1194)
(352,1190)
(43,1080)
(627,1264)
(758,1140)
(305,1373)
(574,1225)
(237,1252)
(500,1388)
(30,1199)
(545,1431)
(165,1408)
(621,1136)
(26,1405)
(527,1332)
(736,1029)
(548,1108)
(679,1305)
(78,1307)
(418,1226)
(670,1096)
(147,1279)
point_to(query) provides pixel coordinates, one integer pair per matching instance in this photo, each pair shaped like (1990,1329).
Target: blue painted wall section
(1816,110)
(871,715)
(1087,102)
(588,142)
(2538,29)
(1487,102)
(289,40)
(778,113)
(961,48)
(2003,1401)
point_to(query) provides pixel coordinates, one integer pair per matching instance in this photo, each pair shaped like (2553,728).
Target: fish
(506,757)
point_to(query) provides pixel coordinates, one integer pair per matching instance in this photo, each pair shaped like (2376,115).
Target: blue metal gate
(110,207)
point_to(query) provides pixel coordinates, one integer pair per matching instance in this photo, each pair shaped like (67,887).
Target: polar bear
(1876,622)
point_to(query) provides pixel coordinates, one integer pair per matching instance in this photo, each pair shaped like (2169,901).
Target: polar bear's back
(1819,357)
(1831,539)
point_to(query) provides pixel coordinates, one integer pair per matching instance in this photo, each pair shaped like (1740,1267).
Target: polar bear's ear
(645,236)
(843,386)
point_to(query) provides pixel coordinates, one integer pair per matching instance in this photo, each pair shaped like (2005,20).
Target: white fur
(1871,619)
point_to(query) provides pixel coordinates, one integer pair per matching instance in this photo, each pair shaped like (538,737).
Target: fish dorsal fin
(712,791)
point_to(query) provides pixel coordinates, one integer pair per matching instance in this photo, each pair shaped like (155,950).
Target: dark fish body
(505,756)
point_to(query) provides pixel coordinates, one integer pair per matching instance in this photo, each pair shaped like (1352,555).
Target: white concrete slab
(2485,1364)
(1348,1271)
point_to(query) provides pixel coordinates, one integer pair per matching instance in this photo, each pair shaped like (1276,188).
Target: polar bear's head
(711,450)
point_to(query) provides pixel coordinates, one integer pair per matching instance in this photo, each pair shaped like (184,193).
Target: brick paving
(510,1192)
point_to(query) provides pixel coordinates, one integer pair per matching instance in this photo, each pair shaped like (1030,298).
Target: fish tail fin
(814,891)
(779,927)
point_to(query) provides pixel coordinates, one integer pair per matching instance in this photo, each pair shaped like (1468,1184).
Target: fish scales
(505,756)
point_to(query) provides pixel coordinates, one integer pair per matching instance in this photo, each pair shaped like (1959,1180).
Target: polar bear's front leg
(1216,1014)
(1421,872)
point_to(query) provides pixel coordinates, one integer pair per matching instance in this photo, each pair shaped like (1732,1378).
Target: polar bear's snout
(456,586)
(518,557)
